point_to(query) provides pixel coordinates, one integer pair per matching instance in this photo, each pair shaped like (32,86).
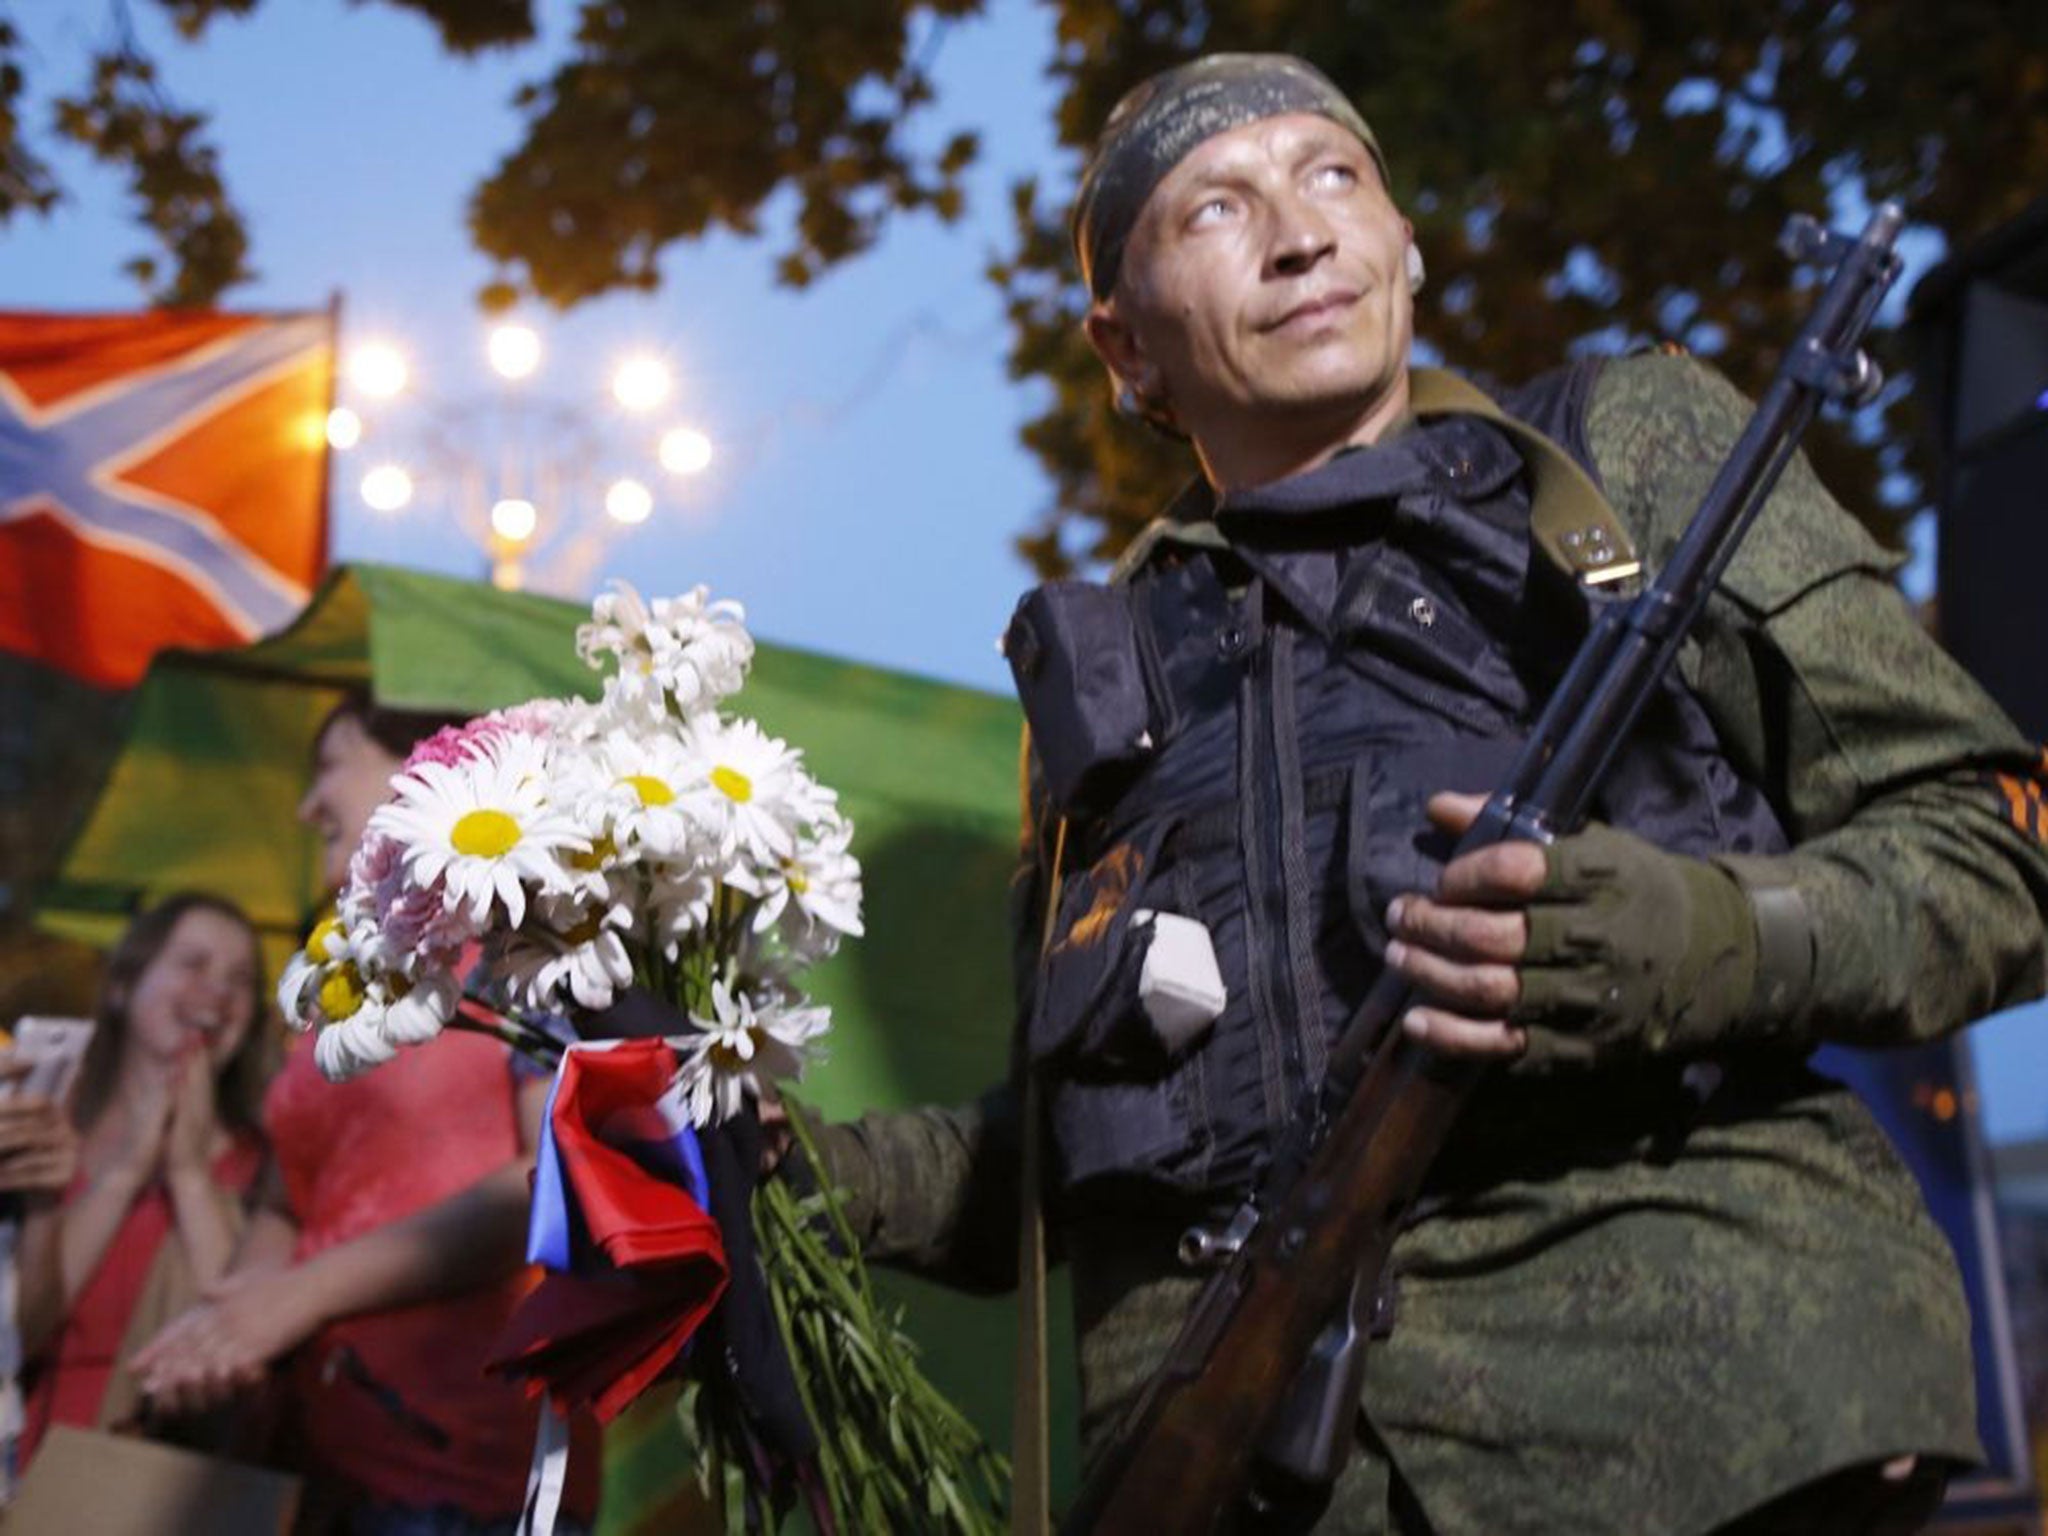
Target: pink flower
(411,921)
(454,744)
(536,717)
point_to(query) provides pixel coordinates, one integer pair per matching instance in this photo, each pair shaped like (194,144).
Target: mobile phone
(53,1048)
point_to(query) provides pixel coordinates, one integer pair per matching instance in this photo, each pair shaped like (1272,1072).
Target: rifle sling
(1030,1431)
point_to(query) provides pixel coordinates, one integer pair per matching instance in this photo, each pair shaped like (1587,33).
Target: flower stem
(476,1018)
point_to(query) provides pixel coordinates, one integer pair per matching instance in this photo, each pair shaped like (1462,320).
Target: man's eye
(1336,175)
(1211,211)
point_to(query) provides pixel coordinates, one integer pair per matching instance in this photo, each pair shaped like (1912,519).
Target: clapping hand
(190,1117)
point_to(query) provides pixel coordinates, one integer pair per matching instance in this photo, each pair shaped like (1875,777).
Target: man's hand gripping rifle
(1254,1409)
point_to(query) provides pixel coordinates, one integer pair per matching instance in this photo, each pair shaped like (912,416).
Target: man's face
(1265,287)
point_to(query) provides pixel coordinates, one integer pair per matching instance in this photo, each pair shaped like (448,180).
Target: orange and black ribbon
(2026,799)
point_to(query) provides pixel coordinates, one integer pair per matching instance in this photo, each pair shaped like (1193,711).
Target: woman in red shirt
(166,1111)
(392,1252)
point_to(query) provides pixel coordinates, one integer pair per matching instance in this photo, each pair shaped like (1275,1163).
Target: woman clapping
(167,1148)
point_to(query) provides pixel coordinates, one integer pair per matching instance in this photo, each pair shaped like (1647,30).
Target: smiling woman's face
(1266,283)
(199,991)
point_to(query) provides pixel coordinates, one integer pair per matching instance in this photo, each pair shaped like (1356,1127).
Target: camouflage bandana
(1160,122)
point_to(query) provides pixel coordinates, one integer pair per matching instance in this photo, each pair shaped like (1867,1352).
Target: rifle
(1265,1373)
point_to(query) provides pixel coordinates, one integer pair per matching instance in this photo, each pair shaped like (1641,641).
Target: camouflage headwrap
(1160,122)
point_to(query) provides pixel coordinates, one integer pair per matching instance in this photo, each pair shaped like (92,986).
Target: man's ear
(1119,348)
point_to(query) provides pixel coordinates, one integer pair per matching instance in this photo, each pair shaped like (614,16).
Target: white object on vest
(1179,985)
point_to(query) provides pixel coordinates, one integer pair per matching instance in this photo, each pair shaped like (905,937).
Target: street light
(378,369)
(529,479)
(641,383)
(514,351)
(629,502)
(684,451)
(514,520)
(387,488)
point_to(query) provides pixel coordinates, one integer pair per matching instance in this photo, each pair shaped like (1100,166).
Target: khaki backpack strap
(1030,1428)
(1030,1432)
(1571,520)
(1165,530)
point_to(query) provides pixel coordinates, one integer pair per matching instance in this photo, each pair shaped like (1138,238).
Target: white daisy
(307,973)
(630,788)
(817,886)
(740,1048)
(301,974)
(744,794)
(686,649)
(679,898)
(383,1022)
(569,953)
(598,873)
(483,827)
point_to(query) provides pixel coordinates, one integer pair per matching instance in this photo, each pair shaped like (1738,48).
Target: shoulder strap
(1198,534)
(1571,520)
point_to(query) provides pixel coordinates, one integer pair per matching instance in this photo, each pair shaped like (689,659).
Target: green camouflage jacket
(1617,1319)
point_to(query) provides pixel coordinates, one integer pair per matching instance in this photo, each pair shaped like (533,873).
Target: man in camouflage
(1634,1298)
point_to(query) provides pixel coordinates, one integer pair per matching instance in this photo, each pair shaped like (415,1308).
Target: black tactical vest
(1372,632)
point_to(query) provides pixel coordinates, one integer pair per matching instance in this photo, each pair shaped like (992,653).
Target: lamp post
(526,477)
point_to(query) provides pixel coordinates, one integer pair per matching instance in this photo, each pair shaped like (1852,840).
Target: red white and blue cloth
(633,1261)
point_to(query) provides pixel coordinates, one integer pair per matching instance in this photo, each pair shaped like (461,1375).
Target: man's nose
(1302,236)
(305,808)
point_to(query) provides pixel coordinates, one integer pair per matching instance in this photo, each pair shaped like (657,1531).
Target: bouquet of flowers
(538,862)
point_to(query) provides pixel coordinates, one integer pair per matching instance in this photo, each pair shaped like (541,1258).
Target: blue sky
(870,478)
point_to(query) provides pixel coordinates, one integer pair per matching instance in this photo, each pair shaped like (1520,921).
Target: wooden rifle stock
(1207,1409)
(1317,1232)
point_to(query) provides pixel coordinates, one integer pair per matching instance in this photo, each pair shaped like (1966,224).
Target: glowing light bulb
(514,520)
(344,428)
(387,488)
(378,369)
(628,502)
(685,451)
(641,383)
(514,351)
